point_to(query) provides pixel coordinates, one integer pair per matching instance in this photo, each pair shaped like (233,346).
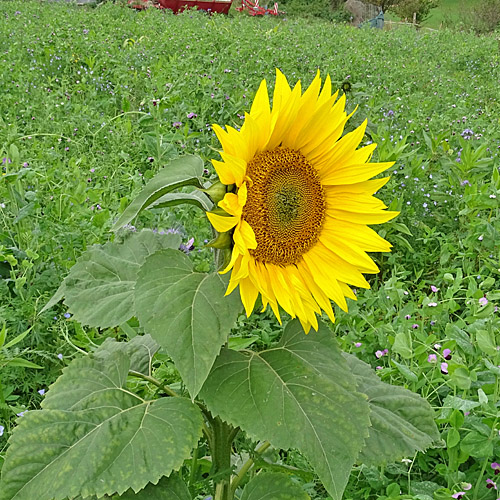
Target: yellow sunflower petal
(305,111)
(348,251)
(318,294)
(375,217)
(284,117)
(221,223)
(347,291)
(358,235)
(232,170)
(333,265)
(248,294)
(244,237)
(366,187)
(230,204)
(261,110)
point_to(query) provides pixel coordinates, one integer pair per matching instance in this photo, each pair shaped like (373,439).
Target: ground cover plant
(82,131)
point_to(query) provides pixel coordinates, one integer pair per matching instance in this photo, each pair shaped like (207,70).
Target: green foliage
(99,290)
(272,486)
(171,488)
(185,312)
(94,437)
(322,9)
(421,9)
(299,394)
(400,421)
(179,173)
(82,131)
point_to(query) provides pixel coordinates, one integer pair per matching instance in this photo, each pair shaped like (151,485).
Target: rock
(361,11)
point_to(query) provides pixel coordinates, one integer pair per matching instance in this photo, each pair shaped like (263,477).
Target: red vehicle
(220,6)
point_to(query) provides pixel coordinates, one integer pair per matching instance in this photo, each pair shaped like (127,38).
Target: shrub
(406,9)
(486,16)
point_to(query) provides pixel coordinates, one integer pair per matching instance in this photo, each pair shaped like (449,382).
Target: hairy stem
(223,435)
(246,466)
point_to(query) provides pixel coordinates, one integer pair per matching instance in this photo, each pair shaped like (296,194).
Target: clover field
(94,101)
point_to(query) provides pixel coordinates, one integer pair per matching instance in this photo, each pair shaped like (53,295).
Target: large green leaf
(168,488)
(95,437)
(300,394)
(180,172)
(272,486)
(140,350)
(99,289)
(402,422)
(185,312)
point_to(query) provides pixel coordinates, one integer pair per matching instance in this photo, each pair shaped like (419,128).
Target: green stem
(246,467)
(194,466)
(221,457)
(163,387)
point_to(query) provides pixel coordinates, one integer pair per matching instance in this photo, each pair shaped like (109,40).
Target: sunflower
(298,203)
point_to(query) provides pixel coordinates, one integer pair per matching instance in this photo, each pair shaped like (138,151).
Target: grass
(82,130)
(449,12)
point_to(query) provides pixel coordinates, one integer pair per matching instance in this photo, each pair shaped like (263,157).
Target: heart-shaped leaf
(95,437)
(185,312)
(299,394)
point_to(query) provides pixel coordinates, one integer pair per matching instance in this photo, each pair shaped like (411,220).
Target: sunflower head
(299,202)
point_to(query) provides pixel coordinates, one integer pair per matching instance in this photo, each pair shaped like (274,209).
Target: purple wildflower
(177,124)
(407,316)
(60,356)
(444,368)
(432,358)
(459,495)
(21,413)
(447,354)
(67,315)
(432,304)
(496,467)
(414,326)
(490,484)
(192,115)
(187,247)
(434,289)
(483,301)
(358,344)
(41,392)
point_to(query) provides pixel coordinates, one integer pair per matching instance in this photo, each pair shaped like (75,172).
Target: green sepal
(216,191)
(223,241)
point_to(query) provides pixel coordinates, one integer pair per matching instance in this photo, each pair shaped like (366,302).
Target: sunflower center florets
(285,205)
